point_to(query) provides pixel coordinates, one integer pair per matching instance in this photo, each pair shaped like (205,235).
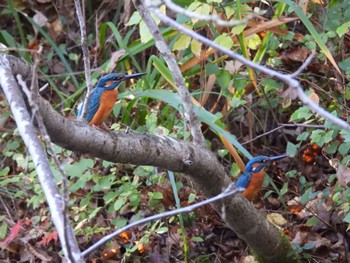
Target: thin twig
(39,157)
(86,57)
(288,79)
(283,126)
(230,190)
(190,114)
(303,66)
(179,10)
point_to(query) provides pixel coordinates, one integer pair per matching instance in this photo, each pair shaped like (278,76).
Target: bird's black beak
(133,76)
(278,157)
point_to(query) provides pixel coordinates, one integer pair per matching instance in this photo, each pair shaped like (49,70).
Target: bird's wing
(243,180)
(94,104)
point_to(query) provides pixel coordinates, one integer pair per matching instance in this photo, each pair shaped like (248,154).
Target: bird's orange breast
(254,185)
(107,102)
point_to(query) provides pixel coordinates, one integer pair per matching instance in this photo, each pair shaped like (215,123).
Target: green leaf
(346,135)
(332,147)
(224,40)
(203,9)
(271,84)
(292,149)
(254,41)
(347,218)
(306,196)
(321,137)
(303,136)
(284,189)
(344,148)
(163,69)
(156,195)
(3,230)
(236,30)
(229,11)
(196,47)
(182,42)
(197,239)
(345,65)
(135,19)
(343,29)
(119,203)
(236,102)
(119,222)
(224,78)
(303,113)
(110,196)
(162,230)
(191,197)
(94,213)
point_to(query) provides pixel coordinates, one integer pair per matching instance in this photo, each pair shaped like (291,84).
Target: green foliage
(105,190)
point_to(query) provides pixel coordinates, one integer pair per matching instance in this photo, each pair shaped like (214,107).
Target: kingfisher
(252,179)
(104,96)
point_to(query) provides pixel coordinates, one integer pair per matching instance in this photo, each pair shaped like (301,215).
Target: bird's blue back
(244,179)
(94,103)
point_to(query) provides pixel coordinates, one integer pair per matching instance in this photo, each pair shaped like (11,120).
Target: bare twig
(179,10)
(42,166)
(86,57)
(32,95)
(288,79)
(230,190)
(303,66)
(283,126)
(190,115)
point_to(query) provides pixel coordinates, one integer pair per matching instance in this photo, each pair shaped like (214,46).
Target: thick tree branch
(197,162)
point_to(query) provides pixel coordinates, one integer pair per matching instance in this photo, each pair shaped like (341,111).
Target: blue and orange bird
(104,97)
(252,179)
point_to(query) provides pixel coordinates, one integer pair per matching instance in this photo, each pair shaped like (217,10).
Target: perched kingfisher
(104,96)
(252,179)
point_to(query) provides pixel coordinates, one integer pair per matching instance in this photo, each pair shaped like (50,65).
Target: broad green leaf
(236,30)
(196,47)
(119,203)
(344,148)
(321,137)
(224,78)
(254,41)
(224,40)
(292,149)
(182,42)
(191,197)
(347,218)
(203,9)
(197,239)
(303,113)
(236,102)
(162,230)
(229,11)
(271,84)
(135,19)
(156,195)
(3,230)
(343,29)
